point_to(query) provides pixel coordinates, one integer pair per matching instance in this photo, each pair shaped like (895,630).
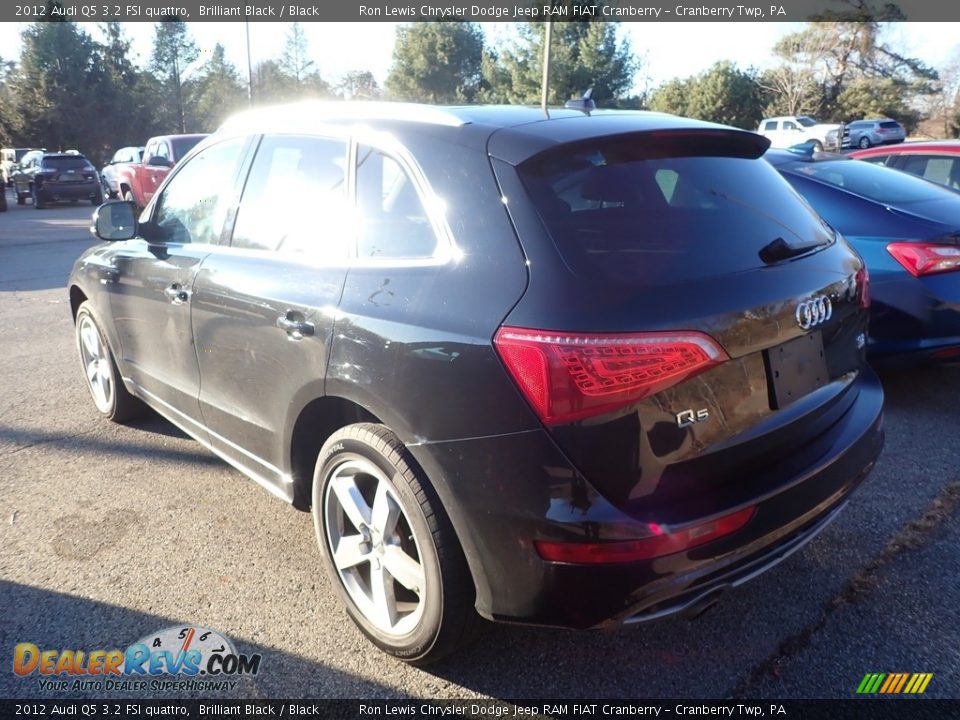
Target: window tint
(770,125)
(181,146)
(942,170)
(617,216)
(295,198)
(77,162)
(393,221)
(890,124)
(194,205)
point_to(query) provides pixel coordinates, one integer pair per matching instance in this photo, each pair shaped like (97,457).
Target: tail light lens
(660,542)
(926,258)
(566,377)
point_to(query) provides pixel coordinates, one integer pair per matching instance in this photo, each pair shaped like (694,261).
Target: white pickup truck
(795,129)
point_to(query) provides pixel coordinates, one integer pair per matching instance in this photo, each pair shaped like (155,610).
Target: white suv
(792,130)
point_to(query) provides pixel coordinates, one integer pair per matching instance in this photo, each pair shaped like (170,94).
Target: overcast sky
(670,49)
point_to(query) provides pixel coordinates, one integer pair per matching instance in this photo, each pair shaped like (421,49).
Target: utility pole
(249,67)
(546,67)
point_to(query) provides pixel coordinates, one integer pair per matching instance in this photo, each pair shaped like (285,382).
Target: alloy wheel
(373,547)
(96,364)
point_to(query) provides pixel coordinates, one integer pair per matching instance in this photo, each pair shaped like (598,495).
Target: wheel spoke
(382,595)
(350,552)
(404,569)
(93,371)
(386,512)
(90,340)
(352,502)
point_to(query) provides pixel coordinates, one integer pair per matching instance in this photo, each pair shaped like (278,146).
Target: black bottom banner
(913,709)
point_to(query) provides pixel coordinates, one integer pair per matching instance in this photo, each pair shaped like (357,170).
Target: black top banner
(481,10)
(213,709)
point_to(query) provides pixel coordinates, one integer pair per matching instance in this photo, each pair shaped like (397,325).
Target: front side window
(393,221)
(787,125)
(194,205)
(294,200)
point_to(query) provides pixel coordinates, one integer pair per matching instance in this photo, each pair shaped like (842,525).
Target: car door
(151,288)
(264,308)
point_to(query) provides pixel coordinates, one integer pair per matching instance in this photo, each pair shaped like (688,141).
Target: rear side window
(890,124)
(876,183)
(616,216)
(770,125)
(942,170)
(393,221)
(295,198)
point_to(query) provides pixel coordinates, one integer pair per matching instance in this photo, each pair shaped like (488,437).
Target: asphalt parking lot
(110,533)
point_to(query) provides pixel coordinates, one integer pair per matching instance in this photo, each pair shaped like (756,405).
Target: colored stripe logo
(894,683)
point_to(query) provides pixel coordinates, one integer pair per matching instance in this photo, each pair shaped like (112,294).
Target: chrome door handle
(177,293)
(294,324)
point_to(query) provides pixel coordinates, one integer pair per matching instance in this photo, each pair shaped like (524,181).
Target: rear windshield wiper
(779,249)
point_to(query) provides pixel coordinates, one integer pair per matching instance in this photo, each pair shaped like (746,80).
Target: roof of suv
(529,130)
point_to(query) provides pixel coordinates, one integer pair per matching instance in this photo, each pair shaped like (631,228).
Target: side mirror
(115,220)
(159,160)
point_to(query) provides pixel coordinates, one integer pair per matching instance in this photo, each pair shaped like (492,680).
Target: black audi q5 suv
(577,370)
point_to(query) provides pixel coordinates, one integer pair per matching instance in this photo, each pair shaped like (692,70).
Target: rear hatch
(692,329)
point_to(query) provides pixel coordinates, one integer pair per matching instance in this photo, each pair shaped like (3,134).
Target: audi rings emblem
(814,312)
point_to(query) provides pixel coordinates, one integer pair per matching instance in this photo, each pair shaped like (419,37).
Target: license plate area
(795,368)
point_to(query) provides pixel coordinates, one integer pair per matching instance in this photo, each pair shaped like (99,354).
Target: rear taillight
(567,376)
(926,258)
(661,542)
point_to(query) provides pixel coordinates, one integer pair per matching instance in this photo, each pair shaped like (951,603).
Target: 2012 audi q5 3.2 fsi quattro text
(582,371)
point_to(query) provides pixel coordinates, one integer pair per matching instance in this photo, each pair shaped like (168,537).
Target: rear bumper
(51,191)
(503,493)
(914,319)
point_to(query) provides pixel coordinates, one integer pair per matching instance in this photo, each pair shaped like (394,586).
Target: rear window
(871,181)
(74,162)
(618,216)
(181,146)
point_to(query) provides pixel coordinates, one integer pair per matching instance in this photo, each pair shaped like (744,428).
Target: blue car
(908,232)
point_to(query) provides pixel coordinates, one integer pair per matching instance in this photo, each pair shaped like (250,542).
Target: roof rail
(334,110)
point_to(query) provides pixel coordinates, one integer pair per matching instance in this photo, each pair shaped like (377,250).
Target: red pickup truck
(138,182)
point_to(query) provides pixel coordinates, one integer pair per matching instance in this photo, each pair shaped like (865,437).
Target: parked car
(9,159)
(108,175)
(52,177)
(577,370)
(789,130)
(866,133)
(937,161)
(138,181)
(908,232)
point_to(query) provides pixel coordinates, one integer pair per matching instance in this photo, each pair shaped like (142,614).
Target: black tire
(117,404)
(97,199)
(128,196)
(444,617)
(38,203)
(864,143)
(3,199)
(21,199)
